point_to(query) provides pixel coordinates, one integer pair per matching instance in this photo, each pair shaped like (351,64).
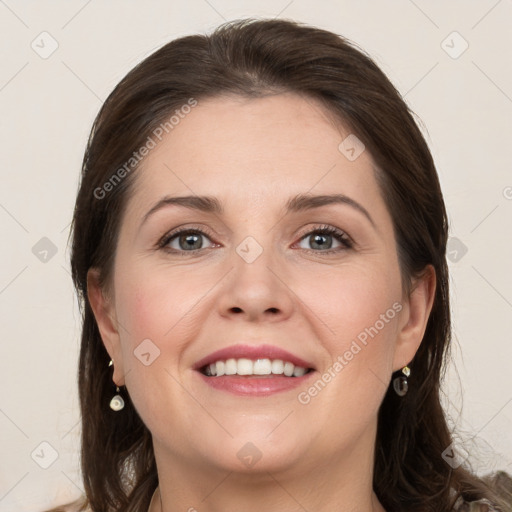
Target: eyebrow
(301,202)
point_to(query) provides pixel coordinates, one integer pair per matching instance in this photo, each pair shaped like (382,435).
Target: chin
(247,453)
(251,460)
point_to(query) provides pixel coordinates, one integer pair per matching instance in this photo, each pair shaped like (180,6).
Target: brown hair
(253,58)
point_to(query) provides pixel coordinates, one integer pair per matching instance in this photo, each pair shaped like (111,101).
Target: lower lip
(255,385)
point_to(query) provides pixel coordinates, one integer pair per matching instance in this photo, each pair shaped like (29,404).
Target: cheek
(359,311)
(351,301)
(158,318)
(351,386)
(154,330)
(151,305)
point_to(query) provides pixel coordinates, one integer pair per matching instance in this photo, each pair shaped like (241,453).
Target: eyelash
(340,236)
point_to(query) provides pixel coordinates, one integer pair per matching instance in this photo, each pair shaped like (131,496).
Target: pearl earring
(400,383)
(117,402)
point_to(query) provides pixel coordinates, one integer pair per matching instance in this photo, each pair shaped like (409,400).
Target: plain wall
(48,106)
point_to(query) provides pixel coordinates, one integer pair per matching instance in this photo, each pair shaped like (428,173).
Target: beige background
(48,105)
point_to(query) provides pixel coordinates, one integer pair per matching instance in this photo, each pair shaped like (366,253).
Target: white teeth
(299,371)
(262,367)
(230,367)
(277,367)
(220,368)
(244,366)
(288,369)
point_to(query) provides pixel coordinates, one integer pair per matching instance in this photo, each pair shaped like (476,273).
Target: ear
(105,315)
(415,316)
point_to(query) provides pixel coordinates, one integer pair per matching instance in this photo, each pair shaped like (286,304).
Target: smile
(258,367)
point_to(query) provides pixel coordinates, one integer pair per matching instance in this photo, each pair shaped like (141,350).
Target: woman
(259,244)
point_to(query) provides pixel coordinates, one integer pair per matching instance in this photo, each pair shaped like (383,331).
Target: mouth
(253,370)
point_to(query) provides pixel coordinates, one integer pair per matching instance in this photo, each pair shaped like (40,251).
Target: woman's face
(255,277)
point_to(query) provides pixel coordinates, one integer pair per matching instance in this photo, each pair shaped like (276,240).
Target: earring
(400,384)
(117,402)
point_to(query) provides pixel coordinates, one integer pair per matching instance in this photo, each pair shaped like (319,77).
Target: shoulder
(474,506)
(79,505)
(501,484)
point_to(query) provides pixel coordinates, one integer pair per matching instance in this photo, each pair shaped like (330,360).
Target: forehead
(259,148)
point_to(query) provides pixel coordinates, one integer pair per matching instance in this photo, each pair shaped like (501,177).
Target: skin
(253,155)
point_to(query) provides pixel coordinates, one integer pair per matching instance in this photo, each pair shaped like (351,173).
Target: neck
(341,482)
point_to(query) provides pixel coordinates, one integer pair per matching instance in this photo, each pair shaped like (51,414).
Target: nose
(256,290)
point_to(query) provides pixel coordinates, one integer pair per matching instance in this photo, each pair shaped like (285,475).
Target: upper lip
(252,352)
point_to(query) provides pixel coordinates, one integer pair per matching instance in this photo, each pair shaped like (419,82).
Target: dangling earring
(400,384)
(117,402)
